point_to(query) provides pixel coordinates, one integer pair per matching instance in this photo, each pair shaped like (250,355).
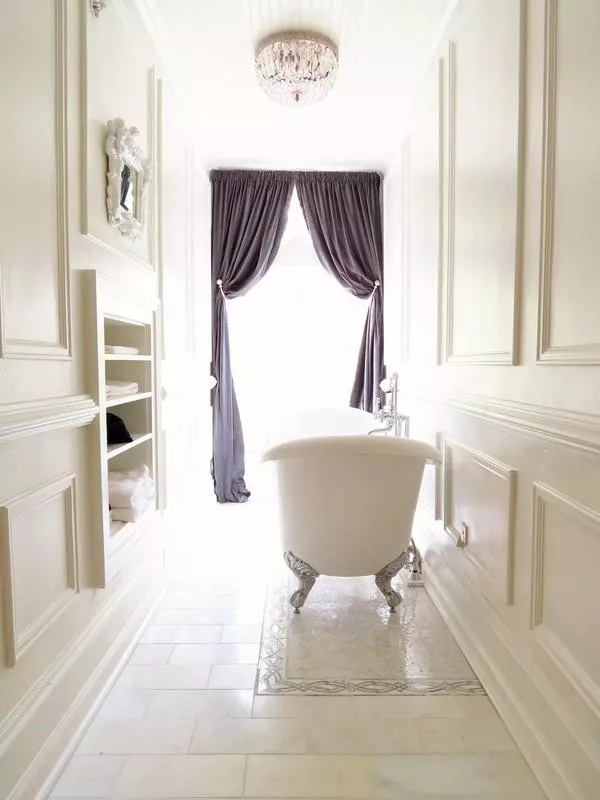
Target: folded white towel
(121,350)
(118,388)
(139,475)
(125,494)
(131,514)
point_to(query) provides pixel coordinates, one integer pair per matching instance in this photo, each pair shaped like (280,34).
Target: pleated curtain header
(300,176)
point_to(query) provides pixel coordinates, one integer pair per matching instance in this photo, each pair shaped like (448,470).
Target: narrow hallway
(184,719)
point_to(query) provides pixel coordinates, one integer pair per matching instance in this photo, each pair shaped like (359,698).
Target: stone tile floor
(182,720)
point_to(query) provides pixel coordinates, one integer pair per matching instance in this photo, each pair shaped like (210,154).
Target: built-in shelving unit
(131,398)
(120,321)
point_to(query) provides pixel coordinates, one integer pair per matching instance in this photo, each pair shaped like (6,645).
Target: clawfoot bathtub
(346,506)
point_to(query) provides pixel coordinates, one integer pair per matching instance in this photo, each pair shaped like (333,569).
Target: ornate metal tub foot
(384,578)
(306,575)
(416,568)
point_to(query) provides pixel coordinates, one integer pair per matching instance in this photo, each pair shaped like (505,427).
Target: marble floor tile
(232,676)
(164,676)
(181,776)
(482,735)
(249,736)
(125,704)
(172,729)
(241,634)
(201,705)
(307,776)
(209,616)
(363,736)
(151,654)
(137,737)
(181,634)
(214,654)
(89,776)
(493,775)
(391,707)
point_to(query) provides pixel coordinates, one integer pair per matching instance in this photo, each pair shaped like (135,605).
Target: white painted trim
(571,669)
(92,694)
(29,418)
(510,356)
(151,210)
(54,350)
(509,476)
(570,428)
(405,272)
(489,652)
(15,641)
(547,352)
(11,724)
(439,276)
(15,729)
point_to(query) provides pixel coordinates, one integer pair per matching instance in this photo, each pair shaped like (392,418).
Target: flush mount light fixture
(296,68)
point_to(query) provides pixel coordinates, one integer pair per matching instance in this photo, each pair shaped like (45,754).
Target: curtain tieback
(376,286)
(220,285)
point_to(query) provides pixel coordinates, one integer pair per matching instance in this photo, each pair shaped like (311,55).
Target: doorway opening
(294,342)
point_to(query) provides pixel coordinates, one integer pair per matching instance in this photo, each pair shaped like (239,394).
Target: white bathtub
(311,422)
(346,500)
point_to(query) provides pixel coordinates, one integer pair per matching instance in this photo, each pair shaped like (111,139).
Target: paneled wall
(60,636)
(491,234)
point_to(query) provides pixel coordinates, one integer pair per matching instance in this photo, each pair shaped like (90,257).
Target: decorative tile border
(271,674)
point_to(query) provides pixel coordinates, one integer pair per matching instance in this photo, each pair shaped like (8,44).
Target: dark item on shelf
(116,432)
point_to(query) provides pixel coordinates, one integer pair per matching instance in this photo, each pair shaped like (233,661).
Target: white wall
(60,636)
(501,345)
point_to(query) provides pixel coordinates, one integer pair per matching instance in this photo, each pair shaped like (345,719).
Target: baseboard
(31,760)
(515,686)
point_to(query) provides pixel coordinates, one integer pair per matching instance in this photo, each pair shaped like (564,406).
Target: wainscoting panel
(34,281)
(485,97)
(562,615)
(36,589)
(569,323)
(423,223)
(479,500)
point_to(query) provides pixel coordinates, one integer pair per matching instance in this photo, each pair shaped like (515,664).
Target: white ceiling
(383,47)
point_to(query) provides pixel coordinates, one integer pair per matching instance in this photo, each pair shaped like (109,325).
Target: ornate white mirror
(128,176)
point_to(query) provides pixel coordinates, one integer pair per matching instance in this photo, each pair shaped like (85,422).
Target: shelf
(117,449)
(119,357)
(123,527)
(127,398)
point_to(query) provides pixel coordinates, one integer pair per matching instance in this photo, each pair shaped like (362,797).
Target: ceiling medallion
(296,68)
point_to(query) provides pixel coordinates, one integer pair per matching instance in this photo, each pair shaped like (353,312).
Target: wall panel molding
(61,349)
(12,513)
(28,418)
(562,656)
(549,352)
(500,586)
(96,238)
(513,680)
(570,428)
(509,356)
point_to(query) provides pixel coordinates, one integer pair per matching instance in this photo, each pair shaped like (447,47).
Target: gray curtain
(343,214)
(249,214)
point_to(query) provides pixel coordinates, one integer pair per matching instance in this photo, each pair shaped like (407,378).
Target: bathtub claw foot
(416,566)
(306,575)
(384,578)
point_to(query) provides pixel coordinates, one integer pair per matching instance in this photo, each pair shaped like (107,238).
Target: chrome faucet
(388,415)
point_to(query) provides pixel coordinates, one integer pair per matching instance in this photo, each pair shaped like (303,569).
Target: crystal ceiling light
(296,68)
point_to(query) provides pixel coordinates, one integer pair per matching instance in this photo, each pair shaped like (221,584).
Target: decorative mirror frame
(121,149)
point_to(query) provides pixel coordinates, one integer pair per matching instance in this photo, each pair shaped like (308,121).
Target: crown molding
(18,420)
